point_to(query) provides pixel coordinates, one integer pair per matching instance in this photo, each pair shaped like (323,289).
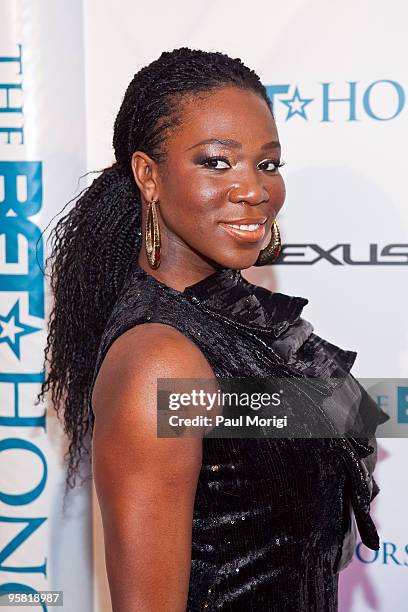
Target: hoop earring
(152,235)
(270,253)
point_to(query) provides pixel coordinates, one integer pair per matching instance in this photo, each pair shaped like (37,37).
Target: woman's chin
(239,262)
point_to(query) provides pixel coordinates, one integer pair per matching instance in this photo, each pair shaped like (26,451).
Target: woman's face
(222,168)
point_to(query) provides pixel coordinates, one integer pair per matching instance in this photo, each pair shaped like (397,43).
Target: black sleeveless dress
(272,522)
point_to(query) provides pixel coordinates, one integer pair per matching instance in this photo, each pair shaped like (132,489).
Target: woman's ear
(145,174)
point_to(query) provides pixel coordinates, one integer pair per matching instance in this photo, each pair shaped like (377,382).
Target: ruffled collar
(228,293)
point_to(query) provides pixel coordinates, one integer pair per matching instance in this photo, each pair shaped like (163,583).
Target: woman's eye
(274,163)
(213,163)
(221,163)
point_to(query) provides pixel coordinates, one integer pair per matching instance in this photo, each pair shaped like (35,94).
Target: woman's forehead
(228,113)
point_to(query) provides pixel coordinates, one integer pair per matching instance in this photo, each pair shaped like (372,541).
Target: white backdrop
(345,178)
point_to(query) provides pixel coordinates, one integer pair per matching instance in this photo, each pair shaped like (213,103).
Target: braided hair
(98,241)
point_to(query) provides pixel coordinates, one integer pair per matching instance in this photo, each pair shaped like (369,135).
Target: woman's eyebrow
(234,144)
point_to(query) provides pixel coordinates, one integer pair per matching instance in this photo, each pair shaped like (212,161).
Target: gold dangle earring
(270,253)
(152,235)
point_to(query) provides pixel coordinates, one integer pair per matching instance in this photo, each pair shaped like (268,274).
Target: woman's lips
(247,235)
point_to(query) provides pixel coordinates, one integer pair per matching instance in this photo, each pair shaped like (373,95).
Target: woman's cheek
(279,197)
(206,195)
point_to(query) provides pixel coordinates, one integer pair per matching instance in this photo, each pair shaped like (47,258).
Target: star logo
(296,105)
(12,329)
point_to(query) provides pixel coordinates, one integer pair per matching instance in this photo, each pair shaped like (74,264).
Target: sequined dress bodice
(270,514)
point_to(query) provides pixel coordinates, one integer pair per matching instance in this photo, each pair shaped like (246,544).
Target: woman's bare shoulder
(142,354)
(159,339)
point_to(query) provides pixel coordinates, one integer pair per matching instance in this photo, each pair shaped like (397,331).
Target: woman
(147,285)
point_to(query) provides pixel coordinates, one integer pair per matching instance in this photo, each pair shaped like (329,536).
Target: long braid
(98,241)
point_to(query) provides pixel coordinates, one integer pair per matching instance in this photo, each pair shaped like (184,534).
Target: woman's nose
(250,190)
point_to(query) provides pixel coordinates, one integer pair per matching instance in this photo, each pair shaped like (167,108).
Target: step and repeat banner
(45,545)
(337,78)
